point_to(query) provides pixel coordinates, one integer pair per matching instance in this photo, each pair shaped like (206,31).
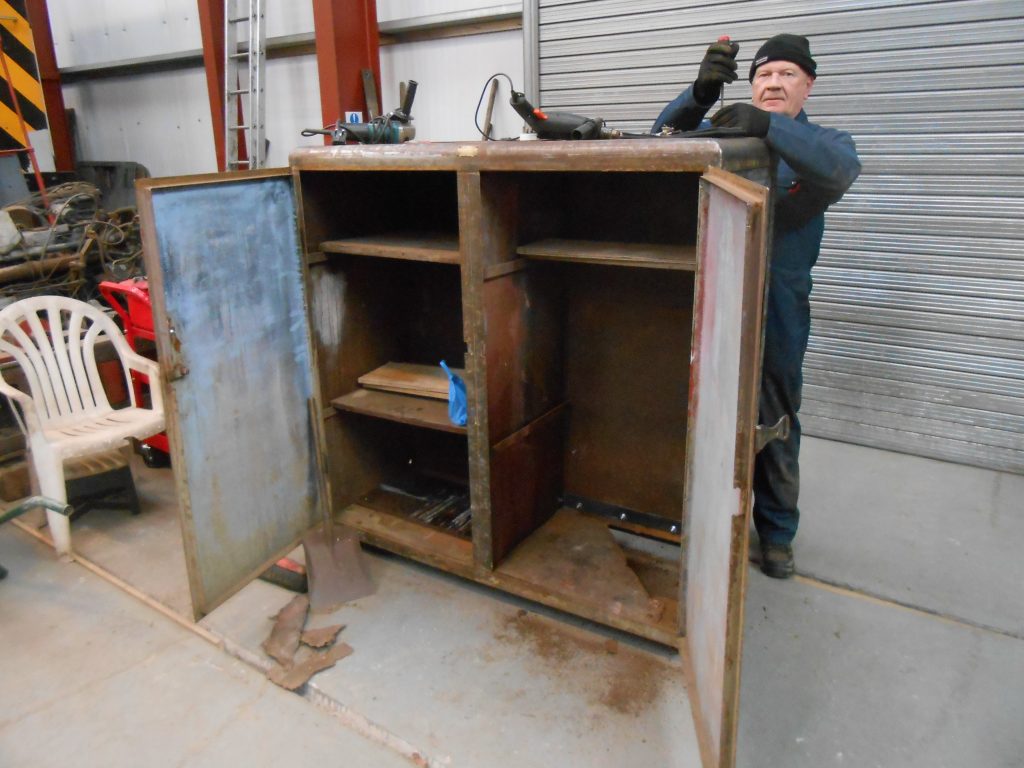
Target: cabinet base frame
(449,553)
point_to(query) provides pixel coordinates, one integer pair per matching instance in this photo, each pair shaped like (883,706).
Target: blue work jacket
(816,167)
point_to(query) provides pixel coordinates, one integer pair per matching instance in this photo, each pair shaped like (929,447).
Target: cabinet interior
(608,372)
(574,319)
(380,213)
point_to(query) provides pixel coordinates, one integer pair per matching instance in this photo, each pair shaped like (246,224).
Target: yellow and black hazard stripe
(20,53)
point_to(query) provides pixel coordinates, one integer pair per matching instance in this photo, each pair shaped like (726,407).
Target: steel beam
(347,41)
(211,25)
(49,78)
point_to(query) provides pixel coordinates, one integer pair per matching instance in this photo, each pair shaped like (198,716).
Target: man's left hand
(753,121)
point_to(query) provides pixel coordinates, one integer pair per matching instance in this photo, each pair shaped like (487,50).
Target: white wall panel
(161,120)
(451,74)
(393,10)
(288,17)
(293,103)
(99,31)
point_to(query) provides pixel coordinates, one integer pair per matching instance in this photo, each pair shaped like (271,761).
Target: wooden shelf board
(406,409)
(441,248)
(648,255)
(410,538)
(410,379)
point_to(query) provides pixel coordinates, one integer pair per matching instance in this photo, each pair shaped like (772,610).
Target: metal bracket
(764,435)
(177,369)
(177,372)
(621,513)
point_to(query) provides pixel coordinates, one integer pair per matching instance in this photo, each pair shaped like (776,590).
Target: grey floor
(93,677)
(901,644)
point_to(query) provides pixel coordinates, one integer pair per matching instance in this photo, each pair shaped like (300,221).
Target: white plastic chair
(66,415)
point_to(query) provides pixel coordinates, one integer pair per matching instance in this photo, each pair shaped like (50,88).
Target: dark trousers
(777,467)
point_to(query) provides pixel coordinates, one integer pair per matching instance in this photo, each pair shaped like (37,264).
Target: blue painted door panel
(230,286)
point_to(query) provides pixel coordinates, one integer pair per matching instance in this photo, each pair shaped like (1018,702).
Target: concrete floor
(93,677)
(920,662)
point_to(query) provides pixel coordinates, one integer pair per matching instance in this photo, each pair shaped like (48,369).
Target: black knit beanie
(794,48)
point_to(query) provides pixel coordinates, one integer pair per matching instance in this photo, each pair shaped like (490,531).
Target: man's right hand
(717,69)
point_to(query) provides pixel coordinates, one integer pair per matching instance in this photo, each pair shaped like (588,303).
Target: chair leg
(50,472)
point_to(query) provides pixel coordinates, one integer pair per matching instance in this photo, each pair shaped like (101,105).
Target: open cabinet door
(724,377)
(222,256)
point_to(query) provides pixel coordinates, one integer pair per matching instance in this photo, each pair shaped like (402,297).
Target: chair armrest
(147,367)
(28,406)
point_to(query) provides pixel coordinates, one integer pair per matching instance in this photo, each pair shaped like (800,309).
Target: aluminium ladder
(244,63)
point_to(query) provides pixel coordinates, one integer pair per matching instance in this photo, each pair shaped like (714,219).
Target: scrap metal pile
(67,246)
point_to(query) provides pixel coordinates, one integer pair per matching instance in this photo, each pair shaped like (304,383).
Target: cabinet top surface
(653,154)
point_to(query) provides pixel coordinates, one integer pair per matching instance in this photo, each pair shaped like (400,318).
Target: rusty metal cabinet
(605,300)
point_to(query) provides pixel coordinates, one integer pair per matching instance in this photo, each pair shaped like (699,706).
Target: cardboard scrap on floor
(318,651)
(284,637)
(322,637)
(308,664)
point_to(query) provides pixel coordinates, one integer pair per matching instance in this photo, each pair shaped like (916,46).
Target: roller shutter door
(917,339)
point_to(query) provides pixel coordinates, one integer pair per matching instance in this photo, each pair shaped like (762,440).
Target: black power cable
(476,114)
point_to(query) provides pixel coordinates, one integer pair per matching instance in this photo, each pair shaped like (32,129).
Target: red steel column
(49,78)
(211,25)
(347,42)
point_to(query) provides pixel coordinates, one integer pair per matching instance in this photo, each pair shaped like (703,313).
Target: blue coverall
(816,167)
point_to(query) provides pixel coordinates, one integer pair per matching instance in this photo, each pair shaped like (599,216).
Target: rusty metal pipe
(37,268)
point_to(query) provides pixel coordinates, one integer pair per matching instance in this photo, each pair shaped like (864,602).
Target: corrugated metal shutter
(917,341)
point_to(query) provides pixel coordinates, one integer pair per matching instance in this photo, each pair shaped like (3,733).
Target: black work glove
(717,69)
(753,121)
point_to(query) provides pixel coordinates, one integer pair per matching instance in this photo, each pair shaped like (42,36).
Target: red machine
(130,299)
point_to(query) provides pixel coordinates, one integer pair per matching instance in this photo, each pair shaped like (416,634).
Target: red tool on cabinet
(130,299)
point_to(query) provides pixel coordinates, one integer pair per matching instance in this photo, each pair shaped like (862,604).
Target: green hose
(32,502)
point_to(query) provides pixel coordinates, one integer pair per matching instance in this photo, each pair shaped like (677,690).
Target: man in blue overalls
(816,166)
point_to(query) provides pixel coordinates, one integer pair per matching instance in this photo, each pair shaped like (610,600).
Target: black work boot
(777,560)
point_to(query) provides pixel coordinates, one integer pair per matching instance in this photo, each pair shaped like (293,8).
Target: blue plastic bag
(456,397)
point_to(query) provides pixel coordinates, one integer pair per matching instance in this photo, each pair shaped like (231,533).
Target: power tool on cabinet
(393,128)
(560,125)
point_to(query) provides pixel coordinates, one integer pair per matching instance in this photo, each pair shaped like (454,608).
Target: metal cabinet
(604,300)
